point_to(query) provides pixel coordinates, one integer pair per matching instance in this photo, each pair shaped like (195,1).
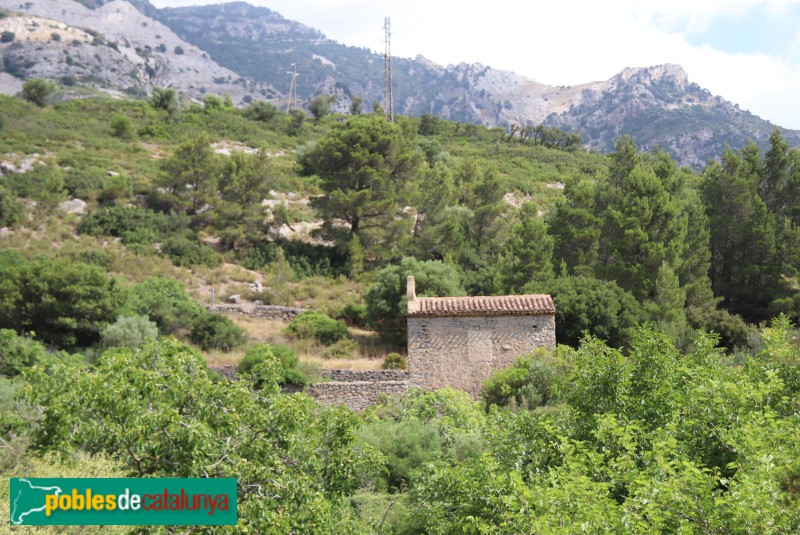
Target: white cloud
(562,43)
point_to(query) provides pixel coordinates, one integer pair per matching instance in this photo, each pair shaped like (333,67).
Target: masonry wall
(268,312)
(357,395)
(462,352)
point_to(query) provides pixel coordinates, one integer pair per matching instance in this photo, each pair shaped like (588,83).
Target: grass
(372,351)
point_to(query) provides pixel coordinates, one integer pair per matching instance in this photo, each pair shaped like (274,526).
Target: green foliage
(129,331)
(157,411)
(37,91)
(321,106)
(191,174)
(406,445)
(345,348)
(132,224)
(186,252)
(527,254)
(66,303)
(165,99)
(215,331)
(165,302)
(122,127)
(7,37)
(320,327)
(261,110)
(387,303)
(354,315)
(394,361)
(18,352)
(528,383)
(587,305)
(289,363)
(364,168)
(12,213)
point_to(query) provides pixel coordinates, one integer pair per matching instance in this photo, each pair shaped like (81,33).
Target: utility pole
(387,73)
(293,89)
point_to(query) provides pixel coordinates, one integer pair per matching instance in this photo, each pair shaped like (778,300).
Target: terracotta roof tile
(504,305)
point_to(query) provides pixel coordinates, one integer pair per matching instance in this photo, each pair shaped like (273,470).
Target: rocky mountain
(657,105)
(110,46)
(247,52)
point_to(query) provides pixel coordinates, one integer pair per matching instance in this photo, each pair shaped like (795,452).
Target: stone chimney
(411,296)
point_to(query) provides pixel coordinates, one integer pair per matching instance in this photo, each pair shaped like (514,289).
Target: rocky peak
(667,73)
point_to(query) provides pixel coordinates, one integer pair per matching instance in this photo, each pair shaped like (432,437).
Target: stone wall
(462,352)
(268,312)
(355,389)
(357,395)
(366,375)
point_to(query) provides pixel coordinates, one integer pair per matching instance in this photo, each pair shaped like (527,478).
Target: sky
(746,52)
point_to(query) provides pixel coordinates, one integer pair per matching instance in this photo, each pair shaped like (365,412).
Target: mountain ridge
(246,52)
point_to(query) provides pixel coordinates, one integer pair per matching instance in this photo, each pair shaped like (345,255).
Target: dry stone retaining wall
(267,312)
(357,395)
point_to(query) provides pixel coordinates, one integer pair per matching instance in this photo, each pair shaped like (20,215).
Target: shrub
(214,331)
(7,37)
(18,352)
(318,326)
(528,383)
(37,91)
(66,303)
(354,315)
(131,224)
(188,253)
(165,302)
(394,361)
(292,374)
(261,110)
(407,446)
(129,331)
(122,127)
(342,349)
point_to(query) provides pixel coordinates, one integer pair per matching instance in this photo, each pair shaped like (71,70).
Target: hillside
(112,47)
(657,105)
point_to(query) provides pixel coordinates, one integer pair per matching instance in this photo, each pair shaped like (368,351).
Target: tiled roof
(504,305)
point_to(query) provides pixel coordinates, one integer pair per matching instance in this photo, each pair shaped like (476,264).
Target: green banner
(123,501)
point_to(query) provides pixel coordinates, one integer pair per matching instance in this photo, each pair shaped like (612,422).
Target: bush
(318,326)
(214,331)
(528,383)
(261,110)
(122,127)
(37,91)
(129,331)
(7,37)
(66,303)
(407,446)
(394,361)
(188,253)
(18,352)
(165,302)
(342,349)
(354,315)
(292,374)
(132,224)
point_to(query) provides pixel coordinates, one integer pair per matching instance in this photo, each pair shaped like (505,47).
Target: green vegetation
(624,428)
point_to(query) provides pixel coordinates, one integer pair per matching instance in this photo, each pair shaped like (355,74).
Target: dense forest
(670,404)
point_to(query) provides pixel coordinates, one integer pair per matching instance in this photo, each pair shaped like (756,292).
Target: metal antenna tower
(388,102)
(293,89)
